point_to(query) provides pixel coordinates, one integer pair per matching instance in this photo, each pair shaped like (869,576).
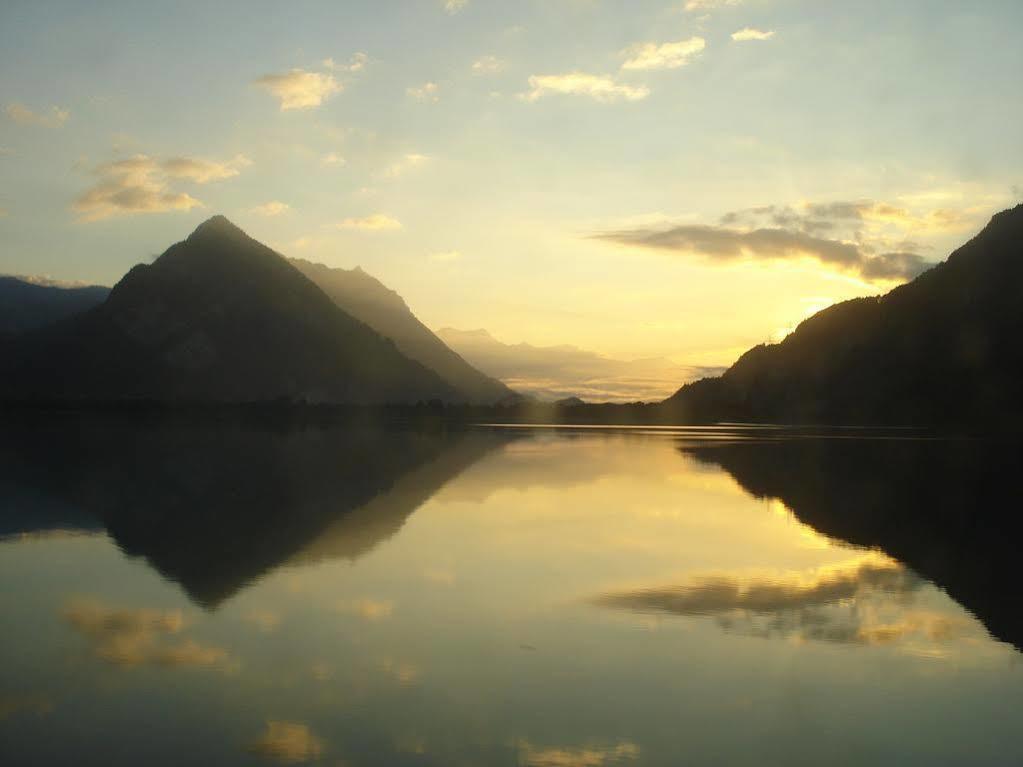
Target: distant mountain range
(370,301)
(942,349)
(220,317)
(553,373)
(30,303)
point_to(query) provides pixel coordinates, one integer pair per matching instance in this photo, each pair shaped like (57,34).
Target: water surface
(226,594)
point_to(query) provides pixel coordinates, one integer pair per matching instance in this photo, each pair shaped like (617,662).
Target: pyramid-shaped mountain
(942,349)
(370,301)
(218,317)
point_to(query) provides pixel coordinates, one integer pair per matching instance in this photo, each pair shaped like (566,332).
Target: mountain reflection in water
(212,506)
(948,509)
(196,592)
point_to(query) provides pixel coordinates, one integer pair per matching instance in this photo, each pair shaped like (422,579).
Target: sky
(676,178)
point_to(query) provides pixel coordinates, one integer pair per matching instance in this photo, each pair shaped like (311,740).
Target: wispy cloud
(368,609)
(724,244)
(300,89)
(872,240)
(749,33)
(21,114)
(141,184)
(602,88)
(406,163)
(132,637)
(454,6)
(356,63)
(644,56)
(203,171)
(426,92)
(374,223)
(487,65)
(693,6)
(272,208)
(870,600)
(288,743)
(332,158)
(590,755)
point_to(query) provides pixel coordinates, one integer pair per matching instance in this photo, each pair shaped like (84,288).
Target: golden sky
(654,178)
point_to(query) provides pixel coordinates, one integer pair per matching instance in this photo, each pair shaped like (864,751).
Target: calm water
(190,594)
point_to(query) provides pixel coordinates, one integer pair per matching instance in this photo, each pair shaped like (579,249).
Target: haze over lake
(221,594)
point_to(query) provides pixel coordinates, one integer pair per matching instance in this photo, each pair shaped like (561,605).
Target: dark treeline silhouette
(945,508)
(212,505)
(942,349)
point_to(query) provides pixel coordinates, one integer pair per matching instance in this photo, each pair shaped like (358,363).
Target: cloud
(138,636)
(424,92)
(454,6)
(141,184)
(288,743)
(577,756)
(863,237)
(21,114)
(299,89)
(870,600)
(368,609)
(356,64)
(749,33)
(487,65)
(375,222)
(272,208)
(693,6)
(723,244)
(407,162)
(645,56)
(332,158)
(203,171)
(601,88)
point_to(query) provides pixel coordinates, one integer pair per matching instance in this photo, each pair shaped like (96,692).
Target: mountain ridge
(941,348)
(217,317)
(383,309)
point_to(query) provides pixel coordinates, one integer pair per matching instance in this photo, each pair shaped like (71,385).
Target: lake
(230,594)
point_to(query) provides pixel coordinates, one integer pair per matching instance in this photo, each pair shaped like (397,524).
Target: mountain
(218,317)
(561,372)
(370,301)
(27,303)
(942,349)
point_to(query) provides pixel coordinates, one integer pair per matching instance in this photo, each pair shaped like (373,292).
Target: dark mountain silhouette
(214,506)
(945,508)
(942,349)
(26,304)
(370,301)
(217,317)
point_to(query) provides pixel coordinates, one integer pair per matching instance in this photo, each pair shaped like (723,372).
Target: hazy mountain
(27,302)
(562,372)
(217,317)
(370,301)
(944,348)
